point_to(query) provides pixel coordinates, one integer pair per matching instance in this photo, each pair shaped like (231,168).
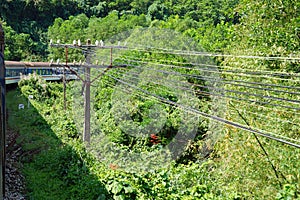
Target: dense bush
(66,161)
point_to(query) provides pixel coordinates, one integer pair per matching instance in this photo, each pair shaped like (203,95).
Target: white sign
(21,106)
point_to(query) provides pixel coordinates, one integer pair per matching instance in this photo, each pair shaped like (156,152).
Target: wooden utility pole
(3,115)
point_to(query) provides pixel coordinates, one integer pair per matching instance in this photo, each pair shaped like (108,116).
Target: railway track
(14,180)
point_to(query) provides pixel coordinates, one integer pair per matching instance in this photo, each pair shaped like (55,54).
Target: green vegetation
(58,166)
(53,169)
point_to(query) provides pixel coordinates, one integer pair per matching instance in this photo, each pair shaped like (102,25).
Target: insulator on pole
(88,42)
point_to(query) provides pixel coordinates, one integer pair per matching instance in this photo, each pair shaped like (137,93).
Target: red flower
(113,166)
(154,139)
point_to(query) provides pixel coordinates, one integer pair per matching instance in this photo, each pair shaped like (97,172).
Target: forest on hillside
(268,27)
(252,88)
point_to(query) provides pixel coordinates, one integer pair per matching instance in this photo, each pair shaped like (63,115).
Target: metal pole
(3,115)
(87,100)
(111,59)
(87,81)
(64,79)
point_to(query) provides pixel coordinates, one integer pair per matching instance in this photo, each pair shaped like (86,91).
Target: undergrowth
(58,166)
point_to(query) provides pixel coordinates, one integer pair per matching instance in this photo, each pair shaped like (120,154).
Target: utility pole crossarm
(76,46)
(69,67)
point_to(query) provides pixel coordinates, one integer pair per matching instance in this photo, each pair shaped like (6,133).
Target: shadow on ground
(52,169)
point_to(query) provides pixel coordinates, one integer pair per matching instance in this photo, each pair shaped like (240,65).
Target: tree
(158,11)
(140,6)
(269,28)
(17,46)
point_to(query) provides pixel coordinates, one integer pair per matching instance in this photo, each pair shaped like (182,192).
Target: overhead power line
(129,79)
(217,71)
(169,83)
(236,92)
(232,81)
(209,116)
(206,54)
(198,66)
